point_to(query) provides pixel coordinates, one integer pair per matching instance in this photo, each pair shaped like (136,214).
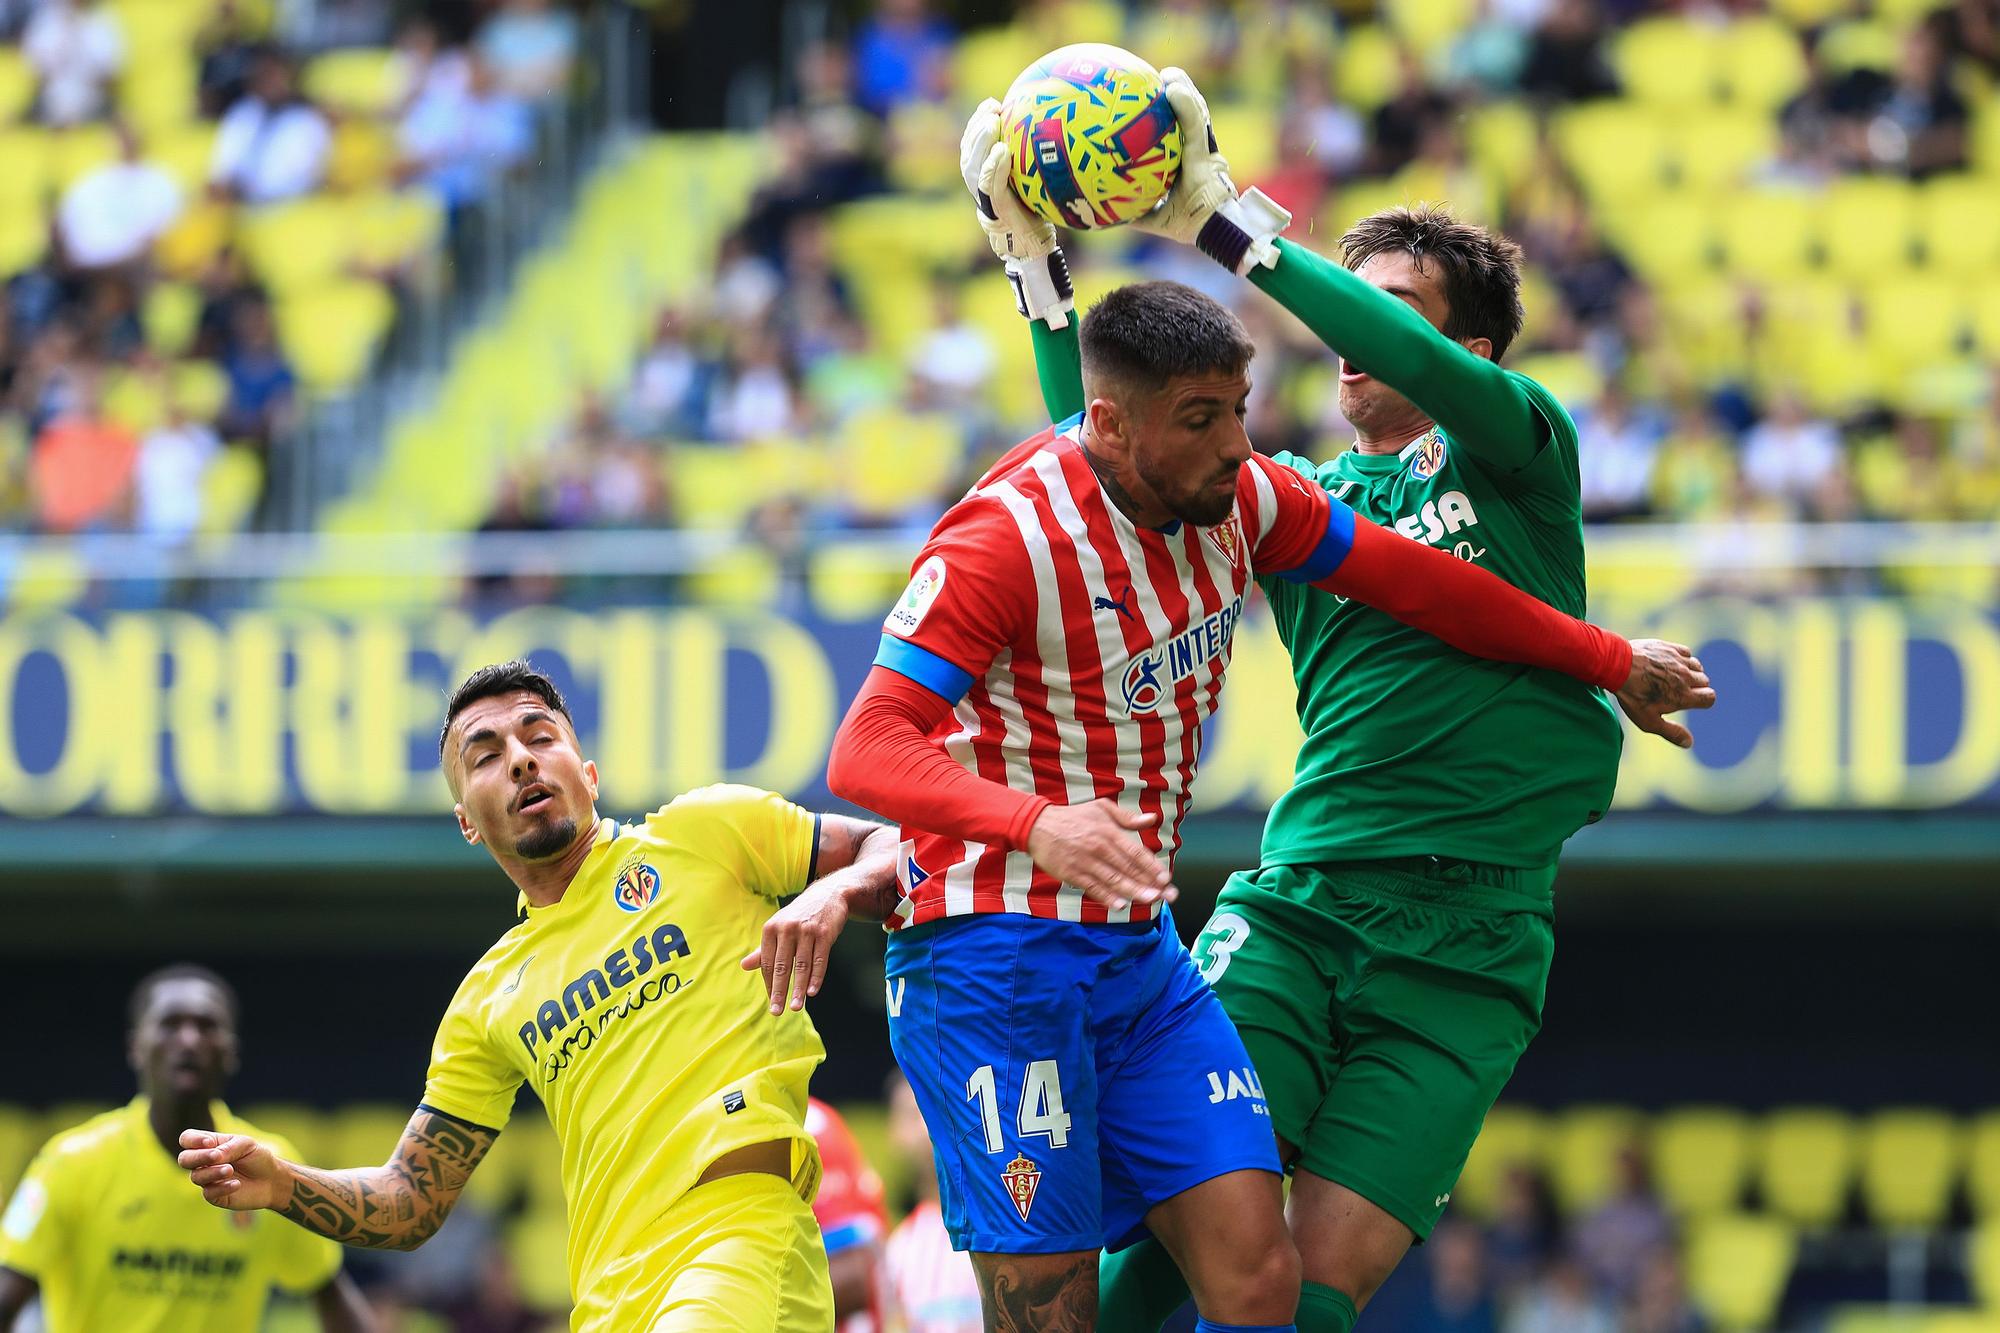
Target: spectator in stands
(1618,1238)
(1919,126)
(746,284)
(112,215)
(1660,1300)
(81,471)
(1321,140)
(273,144)
(425,66)
(955,362)
(1562,1302)
(1457,1299)
(1401,122)
(459,137)
(1790,454)
(1566,57)
(530,47)
(1617,442)
(1694,475)
(174,458)
(1823,129)
(758,395)
(262,388)
(227,47)
(816,302)
(1525,1229)
(901,54)
(664,396)
(75,49)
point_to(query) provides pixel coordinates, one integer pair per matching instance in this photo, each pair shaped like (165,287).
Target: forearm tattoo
(398,1206)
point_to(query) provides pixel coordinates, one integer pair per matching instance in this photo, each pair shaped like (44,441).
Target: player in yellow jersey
(674,1076)
(103,1224)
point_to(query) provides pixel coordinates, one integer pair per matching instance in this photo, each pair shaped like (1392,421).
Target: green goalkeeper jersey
(1413,748)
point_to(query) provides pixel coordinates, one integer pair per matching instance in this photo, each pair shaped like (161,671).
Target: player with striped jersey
(1034,724)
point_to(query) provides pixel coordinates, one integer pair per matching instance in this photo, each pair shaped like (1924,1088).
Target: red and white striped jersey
(932,1288)
(1082,653)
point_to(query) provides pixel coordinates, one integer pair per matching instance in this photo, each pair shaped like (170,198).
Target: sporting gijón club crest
(1021,1177)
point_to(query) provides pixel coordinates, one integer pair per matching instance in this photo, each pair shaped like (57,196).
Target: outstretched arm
(855,861)
(396,1206)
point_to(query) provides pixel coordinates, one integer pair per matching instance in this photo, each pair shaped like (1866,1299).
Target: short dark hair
(142,994)
(502,678)
(1479,270)
(1146,334)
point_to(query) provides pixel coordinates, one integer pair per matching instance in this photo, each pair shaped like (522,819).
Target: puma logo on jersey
(1438,519)
(1121,606)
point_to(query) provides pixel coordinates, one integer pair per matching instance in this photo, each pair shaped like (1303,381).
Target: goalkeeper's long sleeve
(1059,366)
(1479,405)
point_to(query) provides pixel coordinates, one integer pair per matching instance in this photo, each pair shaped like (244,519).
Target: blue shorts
(1071,1077)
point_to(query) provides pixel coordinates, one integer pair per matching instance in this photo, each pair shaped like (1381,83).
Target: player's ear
(590,776)
(1479,347)
(1107,424)
(465,829)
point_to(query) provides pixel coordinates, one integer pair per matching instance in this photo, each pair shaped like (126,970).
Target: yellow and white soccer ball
(1094,140)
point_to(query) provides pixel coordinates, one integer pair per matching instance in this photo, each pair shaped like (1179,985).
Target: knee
(1258,1284)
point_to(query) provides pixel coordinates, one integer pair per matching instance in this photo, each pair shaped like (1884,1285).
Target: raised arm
(396,1206)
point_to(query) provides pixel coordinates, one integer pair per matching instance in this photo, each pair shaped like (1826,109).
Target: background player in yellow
(103,1224)
(674,1076)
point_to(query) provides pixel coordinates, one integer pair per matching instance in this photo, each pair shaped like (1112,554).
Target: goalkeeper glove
(1024,242)
(1203,208)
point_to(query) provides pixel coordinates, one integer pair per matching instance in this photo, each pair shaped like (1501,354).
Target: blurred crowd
(151,357)
(786,345)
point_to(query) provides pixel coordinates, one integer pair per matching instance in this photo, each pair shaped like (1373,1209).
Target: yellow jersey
(107,1223)
(625,1007)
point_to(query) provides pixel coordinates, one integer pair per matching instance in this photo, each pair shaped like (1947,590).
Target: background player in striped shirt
(930,1286)
(852,1221)
(103,1226)
(1416,849)
(1034,722)
(673,1074)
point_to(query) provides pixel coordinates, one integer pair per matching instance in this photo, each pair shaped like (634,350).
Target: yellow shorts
(742,1254)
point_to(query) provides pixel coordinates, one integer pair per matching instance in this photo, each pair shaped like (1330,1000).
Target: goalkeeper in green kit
(1386,963)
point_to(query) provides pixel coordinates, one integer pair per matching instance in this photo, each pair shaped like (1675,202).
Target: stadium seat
(1618,150)
(1672,63)
(79,150)
(17,85)
(184,152)
(1982,1261)
(1986,316)
(984,63)
(1573,377)
(1955,221)
(1762,65)
(745,577)
(1701,1157)
(1583,1147)
(1668,240)
(538,1244)
(1807,1164)
(1982,1165)
(1804,14)
(1715,151)
(1501,138)
(230,488)
(1737,1267)
(1249,132)
(363,155)
(390,228)
(356,81)
(1367,67)
(24,169)
(160,93)
(923,148)
(1770,235)
(892,461)
(1858,43)
(1868,224)
(330,332)
(1915,322)
(1512,1136)
(200,387)
(1910,1161)
(363,1134)
(303,243)
(24,240)
(134,398)
(1430,26)
(1911,1319)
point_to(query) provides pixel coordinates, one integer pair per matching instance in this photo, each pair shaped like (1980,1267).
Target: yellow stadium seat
(893,461)
(853,580)
(1868,225)
(17,85)
(1715,151)
(303,243)
(135,399)
(537,1244)
(329,332)
(160,93)
(230,489)
(1618,150)
(707,483)
(170,315)
(24,168)
(1807,1164)
(985,63)
(1905,13)
(1982,1262)
(1858,44)
(1737,1267)
(1500,137)
(1769,235)
(1584,1144)
(363,1134)
(79,150)
(1955,219)
(1249,135)
(745,577)
(1986,316)
(1430,26)
(357,81)
(155,25)
(390,228)
(1671,240)
(1915,322)
(1982,1167)
(1701,1157)
(195,239)
(184,153)
(201,388)
(1573,377)
(1985,147)
(24,239)
(1910,1161)
(304,1125)
(363,155)
(1763,66)
(1367,67)
(1512,1136)
(1673,63)
(923,148)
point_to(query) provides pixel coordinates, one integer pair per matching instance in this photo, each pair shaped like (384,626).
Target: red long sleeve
(1473,610)
(884,760)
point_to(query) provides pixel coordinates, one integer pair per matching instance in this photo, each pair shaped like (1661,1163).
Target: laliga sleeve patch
(30,1201)
(916,601)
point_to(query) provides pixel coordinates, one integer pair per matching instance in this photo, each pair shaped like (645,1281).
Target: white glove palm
(1203,209)
(1012,231)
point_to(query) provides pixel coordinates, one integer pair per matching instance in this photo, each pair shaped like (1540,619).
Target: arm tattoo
(400,1205)
(1023,1299)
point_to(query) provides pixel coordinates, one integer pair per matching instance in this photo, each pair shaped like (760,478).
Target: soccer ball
(1094,140)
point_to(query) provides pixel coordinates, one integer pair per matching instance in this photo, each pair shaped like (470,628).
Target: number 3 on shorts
(1222,936)
(1041,1104)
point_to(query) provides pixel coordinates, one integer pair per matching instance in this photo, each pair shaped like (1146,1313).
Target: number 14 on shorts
(1041,1114)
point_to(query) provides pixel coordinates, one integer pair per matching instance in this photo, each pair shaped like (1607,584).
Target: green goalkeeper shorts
(1384,1004)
